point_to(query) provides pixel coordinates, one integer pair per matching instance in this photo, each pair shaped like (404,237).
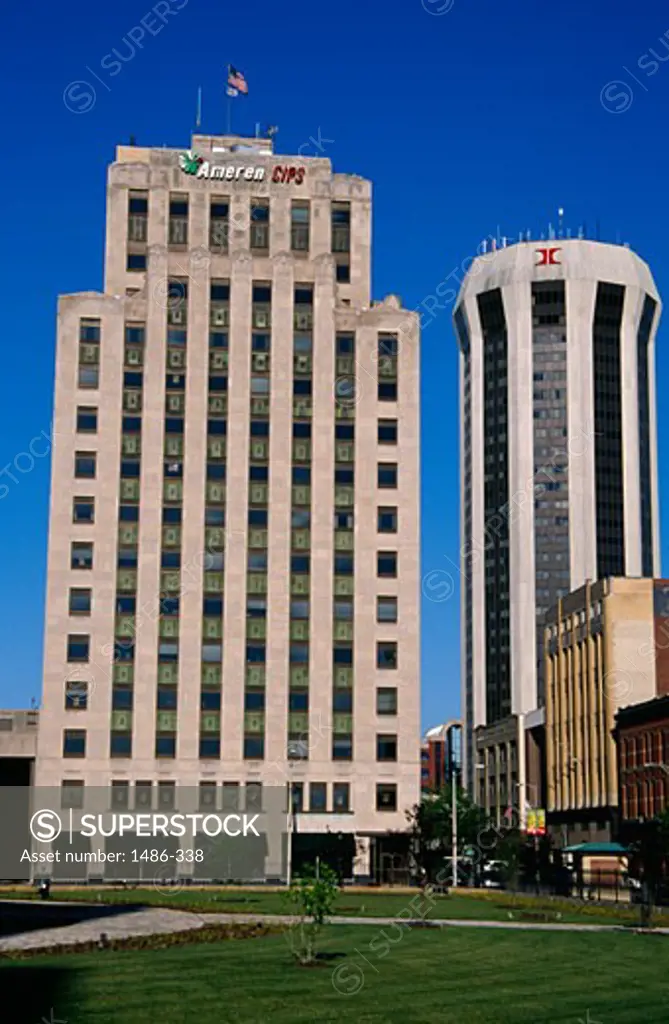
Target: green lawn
(493,907)
(400,977)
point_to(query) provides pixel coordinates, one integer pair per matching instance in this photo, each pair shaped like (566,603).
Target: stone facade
(141,296)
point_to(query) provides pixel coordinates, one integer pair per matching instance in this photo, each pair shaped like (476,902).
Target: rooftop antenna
(551,232)
(133,141)
(560,221)
(198,111)
(597,229)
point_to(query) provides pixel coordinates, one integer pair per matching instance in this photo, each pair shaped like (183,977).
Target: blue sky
(470,116)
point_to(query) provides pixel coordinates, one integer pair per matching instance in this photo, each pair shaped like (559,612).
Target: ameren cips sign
(192,163)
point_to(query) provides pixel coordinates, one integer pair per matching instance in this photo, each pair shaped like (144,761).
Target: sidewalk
(160,921)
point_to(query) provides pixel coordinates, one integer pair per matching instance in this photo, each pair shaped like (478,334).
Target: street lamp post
(454,826)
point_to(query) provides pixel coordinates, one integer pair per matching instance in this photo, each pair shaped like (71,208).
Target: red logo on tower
(547,257)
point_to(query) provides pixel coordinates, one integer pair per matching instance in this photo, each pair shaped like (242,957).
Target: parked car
(493,874)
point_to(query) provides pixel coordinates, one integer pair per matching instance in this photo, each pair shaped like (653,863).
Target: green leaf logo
(189,162)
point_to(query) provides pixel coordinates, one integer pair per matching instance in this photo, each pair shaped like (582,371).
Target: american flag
(236,80)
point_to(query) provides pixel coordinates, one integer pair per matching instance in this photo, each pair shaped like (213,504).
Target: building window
(254,748)
(341,797)
(386,609)
(81,556)
(387,391)
(342,702)
(387,475)
(342,748)
(341,227)
(89,377)
(343,273)
(299,226)
(386,748)
(318,797)
(87,419)
(71,794)
(210,747)
(178,222)
(136,261)
(80,601)
(76,695)
(296,797)
(78,647)
(386,797)
(120,744)
(259,224)
(386,520)
(166,746)
(218,225)
(83,510)
(84,465)
(387,431)
(74,743)
(386,655)
(253,796)
(386,564)
(386,700)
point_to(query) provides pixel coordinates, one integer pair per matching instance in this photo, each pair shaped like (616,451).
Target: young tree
(311,897)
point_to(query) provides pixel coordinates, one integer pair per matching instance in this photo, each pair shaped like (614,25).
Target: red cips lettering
(286,175)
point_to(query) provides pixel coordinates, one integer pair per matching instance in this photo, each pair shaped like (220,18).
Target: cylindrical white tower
(559,460)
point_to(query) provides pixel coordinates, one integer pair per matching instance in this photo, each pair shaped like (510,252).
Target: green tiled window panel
(254,722)
(128,535)
(256,583)
(126,580)
(121,721)
(170,581)
(129,490)
(301,540)
(256,629)
(211,675)
(255,676)
(342,677)
(125,625)
(299,584)
(210,721)
(213,582)
(299,629)
(166,721)
(123,673)
(212,628)
(168,674)
(131,444)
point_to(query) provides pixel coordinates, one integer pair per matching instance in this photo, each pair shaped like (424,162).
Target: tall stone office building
(558,474)
(234,529)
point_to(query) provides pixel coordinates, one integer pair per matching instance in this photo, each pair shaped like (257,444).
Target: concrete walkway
(161,921)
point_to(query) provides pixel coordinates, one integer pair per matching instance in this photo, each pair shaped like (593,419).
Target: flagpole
(229,100)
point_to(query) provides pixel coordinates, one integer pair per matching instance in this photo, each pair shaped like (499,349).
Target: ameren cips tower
(233,555)
(558,467)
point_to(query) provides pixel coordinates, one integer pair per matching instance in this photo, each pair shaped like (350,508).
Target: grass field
(371,977)
(368,903)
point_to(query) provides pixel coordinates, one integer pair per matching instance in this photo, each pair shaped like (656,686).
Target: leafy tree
(311,898)
(431,826)
(652,851)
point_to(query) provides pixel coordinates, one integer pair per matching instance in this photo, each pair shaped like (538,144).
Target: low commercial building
(509,767)
(642,739)
(604,649)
